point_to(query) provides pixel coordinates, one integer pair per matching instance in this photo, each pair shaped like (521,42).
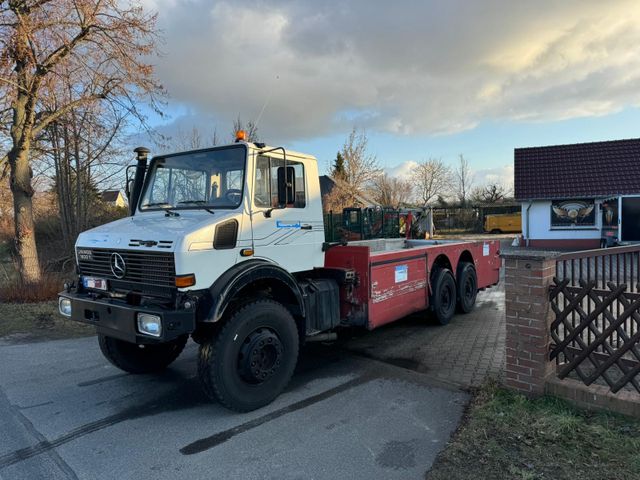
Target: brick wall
(528,316)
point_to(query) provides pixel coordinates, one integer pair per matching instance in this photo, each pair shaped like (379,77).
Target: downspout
(527,215)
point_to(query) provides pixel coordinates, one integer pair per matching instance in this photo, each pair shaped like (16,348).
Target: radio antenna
(266,102)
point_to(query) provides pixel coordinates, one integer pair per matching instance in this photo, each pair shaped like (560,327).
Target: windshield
(205,179)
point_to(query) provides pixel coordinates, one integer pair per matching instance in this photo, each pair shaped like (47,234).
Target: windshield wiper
(198,202)
(167,211)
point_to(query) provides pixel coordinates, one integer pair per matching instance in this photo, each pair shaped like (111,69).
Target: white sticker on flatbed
(485,250)
(402,273)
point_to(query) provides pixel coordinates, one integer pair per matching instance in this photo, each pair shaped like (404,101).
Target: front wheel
(134,358)
(250,361)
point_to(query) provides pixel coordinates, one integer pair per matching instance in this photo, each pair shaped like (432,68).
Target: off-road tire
(225,361)
(443,297)
(467,287)
(134,358)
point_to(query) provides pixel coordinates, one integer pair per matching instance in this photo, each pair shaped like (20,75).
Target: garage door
(631,219)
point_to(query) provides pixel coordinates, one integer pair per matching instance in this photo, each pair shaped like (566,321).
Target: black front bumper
(119,320)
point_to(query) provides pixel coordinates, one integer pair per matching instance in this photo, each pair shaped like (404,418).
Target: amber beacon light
(241,136)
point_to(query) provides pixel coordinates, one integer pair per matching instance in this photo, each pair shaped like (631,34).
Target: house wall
(120,201)
(542,235)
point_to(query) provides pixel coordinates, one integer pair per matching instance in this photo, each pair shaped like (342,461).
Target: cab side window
(270,174)
(262,189)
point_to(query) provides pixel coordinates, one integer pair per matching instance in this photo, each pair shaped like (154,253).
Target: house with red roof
(579,196)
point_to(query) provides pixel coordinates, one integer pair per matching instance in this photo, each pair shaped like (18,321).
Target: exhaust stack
(141,156)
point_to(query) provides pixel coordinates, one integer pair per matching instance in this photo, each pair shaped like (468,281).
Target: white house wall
(540,224)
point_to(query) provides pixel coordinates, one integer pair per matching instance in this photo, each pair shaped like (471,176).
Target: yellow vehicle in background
(503,223)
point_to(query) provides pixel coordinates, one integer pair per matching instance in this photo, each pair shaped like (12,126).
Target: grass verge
(35,322)
(506,435)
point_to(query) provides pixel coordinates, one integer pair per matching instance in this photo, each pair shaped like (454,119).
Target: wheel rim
(260,356)
(469,289)
(446,298)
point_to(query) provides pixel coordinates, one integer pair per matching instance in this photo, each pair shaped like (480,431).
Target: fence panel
(596,331)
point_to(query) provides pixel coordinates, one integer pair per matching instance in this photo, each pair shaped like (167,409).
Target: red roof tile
(582,170)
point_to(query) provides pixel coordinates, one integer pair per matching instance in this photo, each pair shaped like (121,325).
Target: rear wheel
(134,358)
(443,297)
(467,287)
(495,231)
(250,361)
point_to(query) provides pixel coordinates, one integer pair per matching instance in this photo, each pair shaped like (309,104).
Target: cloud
(499,175)
(502,175)
(409,67)
(402,170)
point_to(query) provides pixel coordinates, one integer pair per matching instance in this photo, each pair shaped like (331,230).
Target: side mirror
(286,187)
(128,188)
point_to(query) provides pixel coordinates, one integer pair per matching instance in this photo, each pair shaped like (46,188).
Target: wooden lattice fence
(595,298)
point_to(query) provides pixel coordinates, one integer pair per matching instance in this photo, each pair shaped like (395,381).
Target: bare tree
(390,191)
(360,167)
(96,48)
(463,180)
(250,128)
(490,193)
(431,179)
(193,139)
(85,151)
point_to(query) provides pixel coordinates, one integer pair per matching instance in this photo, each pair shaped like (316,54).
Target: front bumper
(117,319)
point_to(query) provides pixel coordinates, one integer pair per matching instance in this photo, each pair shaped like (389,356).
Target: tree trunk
(23,215)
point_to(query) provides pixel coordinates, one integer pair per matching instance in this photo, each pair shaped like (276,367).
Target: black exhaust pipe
(138,180)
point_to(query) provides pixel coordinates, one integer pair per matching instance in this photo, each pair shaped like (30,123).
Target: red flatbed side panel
(487,260)
(393,284)
(353,304)
(398,285)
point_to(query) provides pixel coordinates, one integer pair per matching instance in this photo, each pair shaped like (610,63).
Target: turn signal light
(246,252)
(183,281)
(241,136)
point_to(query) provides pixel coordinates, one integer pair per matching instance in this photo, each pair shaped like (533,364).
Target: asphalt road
(65,413)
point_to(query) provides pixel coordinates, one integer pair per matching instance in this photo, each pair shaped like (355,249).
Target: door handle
(305,227)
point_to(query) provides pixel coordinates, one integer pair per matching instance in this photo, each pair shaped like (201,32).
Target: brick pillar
(529,315)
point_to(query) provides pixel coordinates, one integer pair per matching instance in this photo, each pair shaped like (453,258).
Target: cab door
(285,228)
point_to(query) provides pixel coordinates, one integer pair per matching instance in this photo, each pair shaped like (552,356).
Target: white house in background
(114,198)
(579,196)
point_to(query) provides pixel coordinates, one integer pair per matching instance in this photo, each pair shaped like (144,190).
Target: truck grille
(142,269)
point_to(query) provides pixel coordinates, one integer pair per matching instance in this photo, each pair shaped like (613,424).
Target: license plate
(95,283)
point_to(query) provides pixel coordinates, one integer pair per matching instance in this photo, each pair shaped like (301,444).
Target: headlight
(64,306)
(149,324)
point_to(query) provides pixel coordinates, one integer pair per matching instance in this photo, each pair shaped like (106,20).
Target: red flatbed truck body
(395,282)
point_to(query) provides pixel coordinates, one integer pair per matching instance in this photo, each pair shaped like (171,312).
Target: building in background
(579,196)
(115,198)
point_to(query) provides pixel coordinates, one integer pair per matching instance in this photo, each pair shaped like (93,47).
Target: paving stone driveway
(464,353)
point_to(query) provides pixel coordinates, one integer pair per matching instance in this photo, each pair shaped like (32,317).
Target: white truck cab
(216,207)
(209,231)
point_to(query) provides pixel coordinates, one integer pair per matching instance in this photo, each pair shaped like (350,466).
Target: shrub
(16,291)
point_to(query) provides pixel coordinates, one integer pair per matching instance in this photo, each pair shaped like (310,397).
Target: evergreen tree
(338,167)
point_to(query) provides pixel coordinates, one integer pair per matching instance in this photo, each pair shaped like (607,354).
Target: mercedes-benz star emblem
(118,267)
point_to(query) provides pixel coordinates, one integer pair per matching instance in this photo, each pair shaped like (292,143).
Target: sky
(424,78)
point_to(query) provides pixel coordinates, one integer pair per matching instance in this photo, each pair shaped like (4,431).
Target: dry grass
(16,291)
(508,436)
(35,322)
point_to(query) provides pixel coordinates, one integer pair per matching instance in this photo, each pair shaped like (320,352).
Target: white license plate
(95,283)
